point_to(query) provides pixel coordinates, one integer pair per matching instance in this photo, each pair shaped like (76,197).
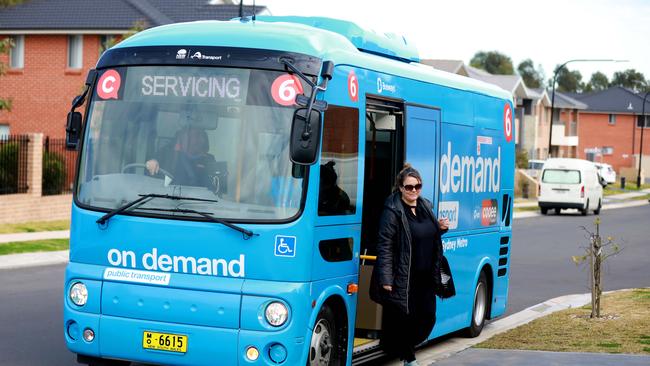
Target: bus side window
(339,167)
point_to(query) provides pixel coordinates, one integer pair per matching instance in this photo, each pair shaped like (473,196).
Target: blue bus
(229,183)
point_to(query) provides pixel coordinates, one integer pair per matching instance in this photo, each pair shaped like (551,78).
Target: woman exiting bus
(407,275)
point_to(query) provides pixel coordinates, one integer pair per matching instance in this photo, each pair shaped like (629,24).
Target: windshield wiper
(143,197)
(247,233)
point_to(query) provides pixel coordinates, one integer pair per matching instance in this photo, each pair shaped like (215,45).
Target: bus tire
(479,310)
(324,348)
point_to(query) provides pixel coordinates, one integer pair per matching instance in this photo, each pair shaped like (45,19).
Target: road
(31,327)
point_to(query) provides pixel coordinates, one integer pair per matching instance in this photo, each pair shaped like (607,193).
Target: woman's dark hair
(407,171)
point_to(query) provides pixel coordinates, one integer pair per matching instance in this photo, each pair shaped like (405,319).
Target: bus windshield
(216,134)
(561,176)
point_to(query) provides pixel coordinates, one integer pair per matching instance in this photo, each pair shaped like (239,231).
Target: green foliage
(522,159)
(597,82)
(53,173)
(138,26)
(493,62)
(630,79)
(533,78)
(9,168)
(568,81)
(8,3)
(5,46)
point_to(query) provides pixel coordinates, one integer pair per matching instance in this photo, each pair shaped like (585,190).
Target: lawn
(47,245)
(623,328)
(616,188)
(31,227)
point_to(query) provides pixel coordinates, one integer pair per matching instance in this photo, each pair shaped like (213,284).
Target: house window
(75,51)
(607,150)
(612,119)
(4,131)
(17,53)
(639,121)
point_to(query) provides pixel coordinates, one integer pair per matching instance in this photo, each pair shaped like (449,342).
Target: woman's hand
(388,288)
(444,223)
(152,166)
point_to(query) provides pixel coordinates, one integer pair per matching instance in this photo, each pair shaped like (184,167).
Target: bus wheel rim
(321,345)
(480,305)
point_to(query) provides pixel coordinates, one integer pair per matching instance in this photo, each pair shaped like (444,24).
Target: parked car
(607,172)
(570,183)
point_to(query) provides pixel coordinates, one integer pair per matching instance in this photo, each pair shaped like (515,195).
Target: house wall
(43,89)
(595,131)
(542,131)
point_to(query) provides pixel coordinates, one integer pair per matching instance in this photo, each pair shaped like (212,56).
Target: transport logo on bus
(489,209)
(353,86)
(109,85)
(285,246)
(181,54)
(285,89)
(507,122)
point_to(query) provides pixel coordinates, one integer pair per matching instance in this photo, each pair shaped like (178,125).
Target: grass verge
(526,208)
(623,328)
(47,245)
(36,226)
(613,189)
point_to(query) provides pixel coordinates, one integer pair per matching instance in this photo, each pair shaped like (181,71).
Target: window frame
(17,52)
(75,51)
(611,119)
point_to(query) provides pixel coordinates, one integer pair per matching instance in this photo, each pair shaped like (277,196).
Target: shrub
(9,167)
(522,159)
(53,173)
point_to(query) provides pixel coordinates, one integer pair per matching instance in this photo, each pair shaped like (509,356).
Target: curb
(610,206)
(428,355)
(36,259)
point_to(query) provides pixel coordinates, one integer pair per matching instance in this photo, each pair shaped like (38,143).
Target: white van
(570,183)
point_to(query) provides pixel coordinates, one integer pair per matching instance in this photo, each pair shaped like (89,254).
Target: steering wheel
(141,165)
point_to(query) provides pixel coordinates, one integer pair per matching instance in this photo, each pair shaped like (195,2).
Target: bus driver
(188,160)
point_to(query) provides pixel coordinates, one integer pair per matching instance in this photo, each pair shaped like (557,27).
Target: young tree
(5,46)
(630,79)
(8,3)
(492,62)
(597,82)
(597,252)
(532,77)
(568,81)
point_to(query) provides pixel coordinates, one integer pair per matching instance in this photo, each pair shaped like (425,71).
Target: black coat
(394,254)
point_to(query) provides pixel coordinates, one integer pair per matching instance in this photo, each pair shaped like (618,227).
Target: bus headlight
(79,294)
(276,313)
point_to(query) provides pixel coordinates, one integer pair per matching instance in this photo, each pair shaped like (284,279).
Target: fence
(58,167)
(14,151)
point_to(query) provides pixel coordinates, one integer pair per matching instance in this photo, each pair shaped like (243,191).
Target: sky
(549,32)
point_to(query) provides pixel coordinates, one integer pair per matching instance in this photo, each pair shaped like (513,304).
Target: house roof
(453,66)
(101,15)
(615,100)
(563,100)
(512,83)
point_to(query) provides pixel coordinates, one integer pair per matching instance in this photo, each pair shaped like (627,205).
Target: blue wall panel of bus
(196,241)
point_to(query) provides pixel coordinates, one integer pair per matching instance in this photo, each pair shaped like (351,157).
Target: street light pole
(550,132)
(638,175)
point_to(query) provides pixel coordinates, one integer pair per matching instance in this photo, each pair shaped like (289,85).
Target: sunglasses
(410,187)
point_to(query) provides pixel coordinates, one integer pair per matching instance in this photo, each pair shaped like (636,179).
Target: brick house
(56,42)
(610,128)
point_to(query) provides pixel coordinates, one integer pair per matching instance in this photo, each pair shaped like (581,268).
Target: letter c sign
(507,122)
(109,85)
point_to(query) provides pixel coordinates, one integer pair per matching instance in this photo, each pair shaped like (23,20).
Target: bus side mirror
(305,136)
(72,130)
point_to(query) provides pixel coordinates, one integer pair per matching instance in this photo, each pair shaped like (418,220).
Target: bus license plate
(164,341)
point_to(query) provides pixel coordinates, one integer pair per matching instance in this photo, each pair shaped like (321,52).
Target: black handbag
(447,288)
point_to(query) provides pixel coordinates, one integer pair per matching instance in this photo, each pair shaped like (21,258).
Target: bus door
(421,150)
(384,136)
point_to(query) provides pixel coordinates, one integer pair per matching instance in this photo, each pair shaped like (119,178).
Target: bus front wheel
(324,349)
(479,310)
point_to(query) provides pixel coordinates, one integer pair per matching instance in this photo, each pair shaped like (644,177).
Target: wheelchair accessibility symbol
(285,246)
